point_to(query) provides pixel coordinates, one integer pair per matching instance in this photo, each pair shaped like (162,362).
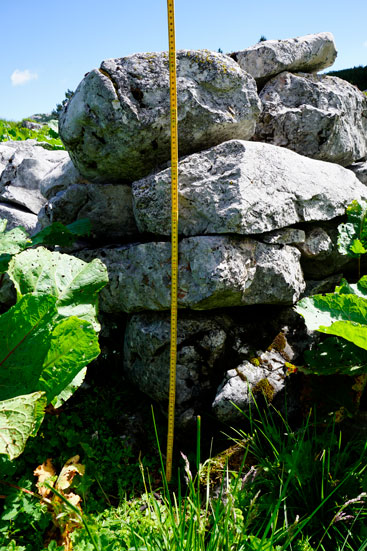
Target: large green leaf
(25,338)
(343,315)
(359,288)
(73,282)
(17,239)
(11,242)
(352,239)
(69,390)
(20,418)
(65,236)
(74,344)
(336,355)
(40,351)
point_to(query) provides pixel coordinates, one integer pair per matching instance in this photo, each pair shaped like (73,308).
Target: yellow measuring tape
(174,235)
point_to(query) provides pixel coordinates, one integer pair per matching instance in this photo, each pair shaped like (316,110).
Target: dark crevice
(114,84)
(99,138)
(138,95)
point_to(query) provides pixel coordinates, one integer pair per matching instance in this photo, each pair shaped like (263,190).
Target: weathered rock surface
(308,54)
(116,126)
(214,272)
(202,342)
(318,116)
(246,382)
(60,178)
(18,217)
(360,170)
(320,254)
(245,188)
(209,344)
(108,207)
(24,170)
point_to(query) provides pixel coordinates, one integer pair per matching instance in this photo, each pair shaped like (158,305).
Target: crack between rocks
(106,74)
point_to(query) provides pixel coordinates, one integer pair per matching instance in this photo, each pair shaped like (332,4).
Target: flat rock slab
(318,116)
(108,207)
(116,126)
(245,188)
(202,342)
(18,217)
(268,58)
(214,272)
(25,167)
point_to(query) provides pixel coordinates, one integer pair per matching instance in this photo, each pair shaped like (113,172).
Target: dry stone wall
(262,188)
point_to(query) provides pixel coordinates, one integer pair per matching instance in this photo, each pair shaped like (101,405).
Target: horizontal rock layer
(245,188)
(267,58)
(214,272)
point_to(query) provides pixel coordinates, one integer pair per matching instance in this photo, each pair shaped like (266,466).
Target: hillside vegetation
(355,75)
(46,133)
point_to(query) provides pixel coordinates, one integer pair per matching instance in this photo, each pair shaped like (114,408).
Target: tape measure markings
(174,236)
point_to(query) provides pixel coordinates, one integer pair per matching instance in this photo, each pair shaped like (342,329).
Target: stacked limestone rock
(257,221)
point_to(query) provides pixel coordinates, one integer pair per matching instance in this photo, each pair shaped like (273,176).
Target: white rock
(245,188)
(319,116)
(28,163)
(18,217)
(214,272)
(308,54)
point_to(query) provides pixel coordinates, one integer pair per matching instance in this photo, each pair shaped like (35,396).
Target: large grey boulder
(202,342)
(214,272)
(245,188)
(116,126)
(360,170)
(108,207)
(308,54)
(318,116)
(26,165)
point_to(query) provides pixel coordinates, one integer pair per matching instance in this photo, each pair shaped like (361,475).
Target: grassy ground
(276,487)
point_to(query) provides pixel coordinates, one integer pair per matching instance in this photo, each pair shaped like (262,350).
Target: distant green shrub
(48,134)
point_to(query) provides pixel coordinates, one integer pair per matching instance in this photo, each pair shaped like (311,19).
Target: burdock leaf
(58,234)
(73,282)
(11,242)
(343,315)
(25,335)
(336,355)
(74,344)
(20,418)
(352,240)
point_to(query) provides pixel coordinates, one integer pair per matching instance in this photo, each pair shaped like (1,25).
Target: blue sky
(47,47)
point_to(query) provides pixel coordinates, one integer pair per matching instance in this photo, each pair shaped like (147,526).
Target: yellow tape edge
(174,236)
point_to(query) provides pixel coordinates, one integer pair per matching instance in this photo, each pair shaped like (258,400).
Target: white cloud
(365,44)
(18,78)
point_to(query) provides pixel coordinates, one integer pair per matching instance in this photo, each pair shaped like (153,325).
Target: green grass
(299,489)
(302,492)
(48,134)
